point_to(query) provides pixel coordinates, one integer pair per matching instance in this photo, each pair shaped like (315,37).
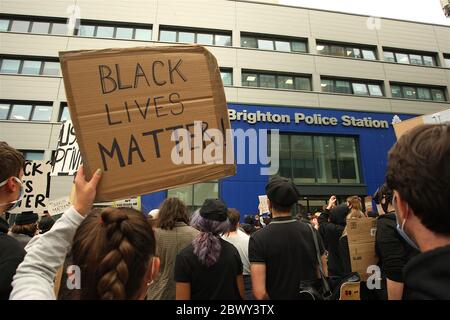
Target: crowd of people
(171,254)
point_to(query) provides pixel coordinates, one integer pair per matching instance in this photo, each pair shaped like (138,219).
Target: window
(40,27)
(415,59)
(280,81)
(227,77)
(447,61)
(31,66)
(105,32)
(143,34)
(23,111)
(124,33)
(389,56)
(64,114)
(194,195)
(349,51)
(351,87)
(86,31)
(309,159)
(417,92)
(20,26)
(402,58)
(271,43)
(429,61)
(59,29)
(410,58)
(33,155)
(193,36)
(4,24)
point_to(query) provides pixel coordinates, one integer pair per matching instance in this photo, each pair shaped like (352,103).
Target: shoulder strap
(326,286)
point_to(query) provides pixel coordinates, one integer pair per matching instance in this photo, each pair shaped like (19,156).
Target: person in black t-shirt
(283,253)
(210,268)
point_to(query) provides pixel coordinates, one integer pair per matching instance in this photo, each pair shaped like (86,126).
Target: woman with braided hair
(210,268)
(114,249)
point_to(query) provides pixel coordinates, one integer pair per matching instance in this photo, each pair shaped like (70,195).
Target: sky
(415,10)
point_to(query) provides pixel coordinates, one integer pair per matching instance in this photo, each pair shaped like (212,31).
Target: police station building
(331,83)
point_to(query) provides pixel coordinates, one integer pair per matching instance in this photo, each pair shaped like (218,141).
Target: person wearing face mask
(418,172)
(11,252)
(392,250)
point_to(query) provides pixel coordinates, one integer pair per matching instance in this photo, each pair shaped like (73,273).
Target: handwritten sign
(58,206)
(263,205)
(128,104)
(67,156)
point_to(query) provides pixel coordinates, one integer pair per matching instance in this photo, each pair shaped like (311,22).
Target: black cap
(338,214)
(282,191)
(214,209)
(27,217)
(46,223)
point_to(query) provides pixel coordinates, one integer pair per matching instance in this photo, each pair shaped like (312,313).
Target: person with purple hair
(209,268)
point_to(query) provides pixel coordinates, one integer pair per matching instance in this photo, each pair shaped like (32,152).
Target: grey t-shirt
(240,241)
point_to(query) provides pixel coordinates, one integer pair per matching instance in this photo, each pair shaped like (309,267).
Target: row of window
(410,58)
(415,92)
(115,32)
(270,43)
(346,51)
(200,37)
(280,81)
(30,66)
(356,87)
(25,112)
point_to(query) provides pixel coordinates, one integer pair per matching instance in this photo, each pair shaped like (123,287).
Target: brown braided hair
(113,248)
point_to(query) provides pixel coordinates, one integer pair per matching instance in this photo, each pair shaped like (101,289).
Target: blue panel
(152,200)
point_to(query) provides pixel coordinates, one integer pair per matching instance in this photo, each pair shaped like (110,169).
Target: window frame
(328,46)
(32,104)
(22,59)
(196,32)
(352,82)
(258,74)
(416,88)
(274,39)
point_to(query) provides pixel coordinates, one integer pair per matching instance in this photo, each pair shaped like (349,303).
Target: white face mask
(14,203)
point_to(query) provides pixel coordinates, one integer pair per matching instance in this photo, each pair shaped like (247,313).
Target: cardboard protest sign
(361,242)
(67,156)
(435,118)
(368,203)
(58,206)
(36,187)
(127,106)
(263,205)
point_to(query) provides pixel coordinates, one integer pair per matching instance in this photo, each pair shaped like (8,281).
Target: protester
(393,252)
(173,234)
(114,249)
(11,190)
(240,240)
(25,227)
(332,223)
(282,255)
(210,268)
(418,172)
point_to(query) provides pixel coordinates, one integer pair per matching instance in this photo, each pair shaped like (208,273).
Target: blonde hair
(355,211)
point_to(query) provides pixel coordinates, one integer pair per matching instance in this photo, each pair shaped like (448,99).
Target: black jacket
(11,255)
(393,252)
(331,233)
(427,276)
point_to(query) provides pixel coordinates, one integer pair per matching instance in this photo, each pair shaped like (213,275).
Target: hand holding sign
(85,191)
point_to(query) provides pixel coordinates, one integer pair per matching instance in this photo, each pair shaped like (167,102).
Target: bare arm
(240,285)
(183,291)
(394,289)
(258,274)
(324,265)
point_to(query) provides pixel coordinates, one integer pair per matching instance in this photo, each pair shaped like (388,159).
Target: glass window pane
(182,193)
(326,162)
(369,54)
(375,90)
(20,112)
(360,89)
(302,159)
(51,68)
(31,67)
(227,78)
(222,40)
(409,93)
(186,37)
(86,31)
(424,93)
(357,53)
(4,109)
(59,28)
(298,46)
(143,35)
(415,59)
(323,49)
(347,160)
(396,92)
(20,26)
(203,191)
(447,62)
(327,85)
(302,83)
(42,113)
(40,27)
(249,80)
(33,155)
(249,42)
(265,44)
(283,46)
(124,33)
(285,168)
(105,32)
(349,52)
(267,81)
(285,82)
(342,86)
(337,51)
(389,56)
(438,94)
(4,24)
(204,38)
(65,115)
(10,66)
(169,36)
(429,61)
(402,58)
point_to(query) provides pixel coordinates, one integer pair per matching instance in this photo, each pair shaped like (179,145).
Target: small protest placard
(58,206)
(67,156)
(263,205)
